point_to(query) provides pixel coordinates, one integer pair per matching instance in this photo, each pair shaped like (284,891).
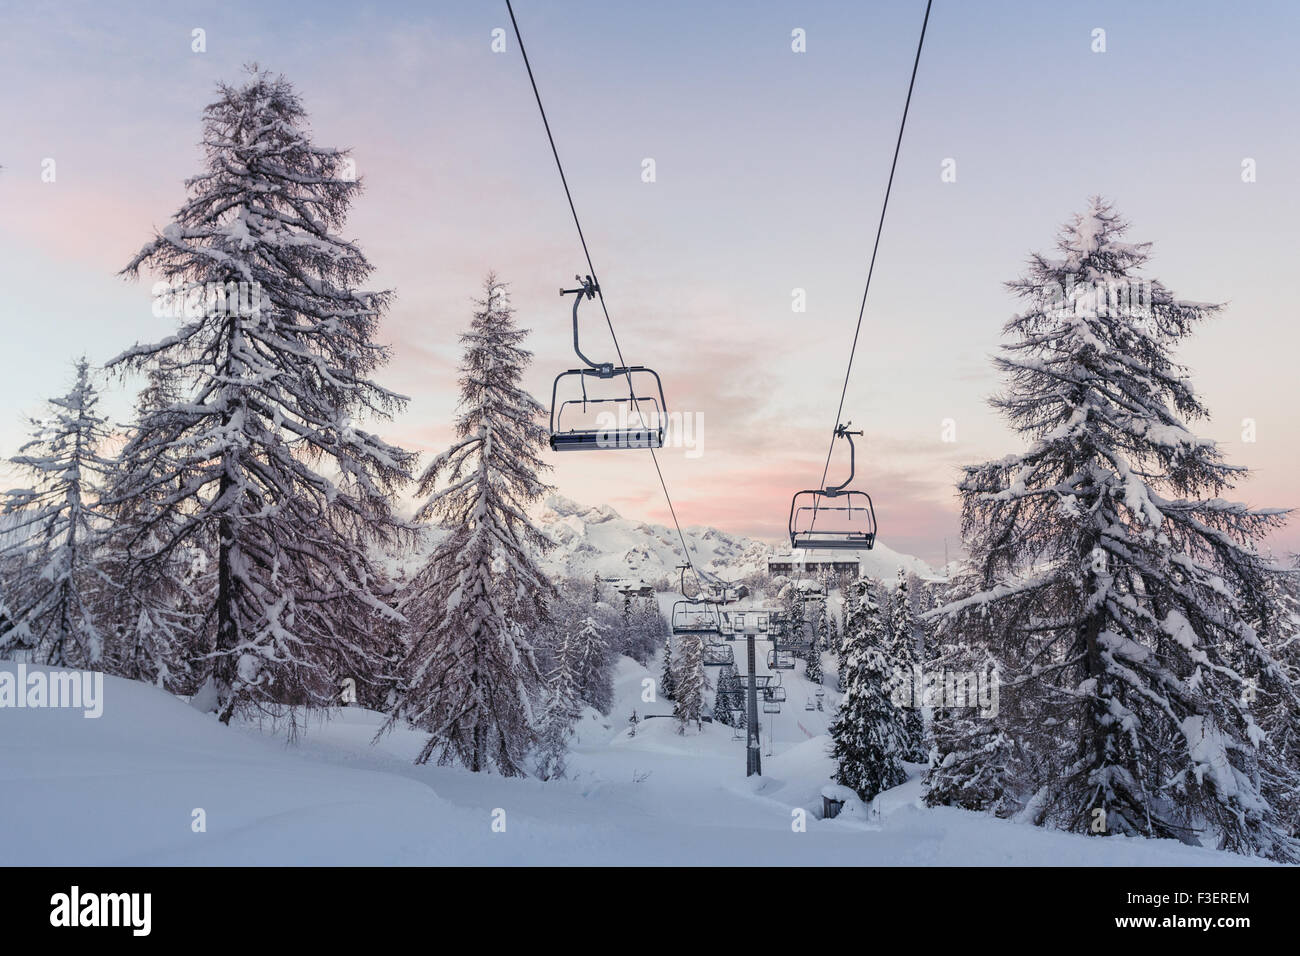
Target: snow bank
(124,789)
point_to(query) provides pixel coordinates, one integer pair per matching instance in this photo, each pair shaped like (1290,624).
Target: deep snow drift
(122,789)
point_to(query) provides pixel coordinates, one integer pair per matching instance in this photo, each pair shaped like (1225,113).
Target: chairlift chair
(695,617)
(771,707)
(777,694)
(719,655)
(780,660)
(585,434)
(848,519)
(725,625)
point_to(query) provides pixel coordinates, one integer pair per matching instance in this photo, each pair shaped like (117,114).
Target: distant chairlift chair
(634,431)
(719,655)
(848,517)
(780,660)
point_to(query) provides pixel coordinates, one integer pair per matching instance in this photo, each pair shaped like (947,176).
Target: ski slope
(122,789)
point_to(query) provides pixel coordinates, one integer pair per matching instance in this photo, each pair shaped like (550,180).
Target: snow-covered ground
(122,789)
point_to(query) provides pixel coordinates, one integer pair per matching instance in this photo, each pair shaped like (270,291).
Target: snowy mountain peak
(596,539)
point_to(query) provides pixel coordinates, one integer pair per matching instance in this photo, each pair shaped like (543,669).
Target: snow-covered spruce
(595,675)
(868,738)
(1122,598)
(813,662)
(901,650)
(668,674)
(643,628)
(691,685)
(262,461)
(974,763)
(54,581)
(155,613)
(471,675)
(728,697)
(560,712)
(580,618)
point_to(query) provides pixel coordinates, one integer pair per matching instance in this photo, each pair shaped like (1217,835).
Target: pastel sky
(770,167)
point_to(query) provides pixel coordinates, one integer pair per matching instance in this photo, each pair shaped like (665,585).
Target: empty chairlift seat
(696,617)
(779,660)
(719,655)
(605,406)
(836,517)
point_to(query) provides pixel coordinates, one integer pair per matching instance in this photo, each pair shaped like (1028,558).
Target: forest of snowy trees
(1142,645)
(241,540)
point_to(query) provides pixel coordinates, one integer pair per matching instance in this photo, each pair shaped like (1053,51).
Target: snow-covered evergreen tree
(1121,595)
(1279,719)
(901,651)
(472,675)
(688,703)
(840,649)
(725,699)
(560,713)
(595,678)
(791,604)
(813,662)
(161,596)
(650,628)
(867,734)
(262,461)
(627,628)
(55,577)
(668,676)
(974,763)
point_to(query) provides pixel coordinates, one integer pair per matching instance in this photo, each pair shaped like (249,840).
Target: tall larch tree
(264,461)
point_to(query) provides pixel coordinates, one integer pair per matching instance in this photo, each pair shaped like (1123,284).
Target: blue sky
(770,170)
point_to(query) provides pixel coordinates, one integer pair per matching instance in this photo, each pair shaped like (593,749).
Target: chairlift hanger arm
(842,431)
(587,290)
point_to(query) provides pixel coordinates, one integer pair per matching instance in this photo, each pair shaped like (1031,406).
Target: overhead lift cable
(880,228)
(596,281)
(868,535)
